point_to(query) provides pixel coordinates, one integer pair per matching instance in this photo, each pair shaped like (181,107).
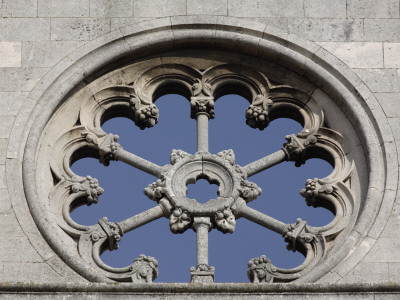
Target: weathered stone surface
(19,8)
(368,272)
(8,221)
(60,8)
(391,54)
(10,54)
(357,54)
(27,255)
(20,79)
(11,102)
(78,29)
(325,29)
(24,29)
(3,150)
(330,9)
(382,30)
(381,80)
(46,53)
(384,251)
(373,9)
(6,124)
(388,102)
(207,7)
(158,8)
(116,8)
(24,272)
(268,8)
(5,204)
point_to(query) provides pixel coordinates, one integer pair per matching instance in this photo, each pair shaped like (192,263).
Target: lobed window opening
(157,145)
(124,193)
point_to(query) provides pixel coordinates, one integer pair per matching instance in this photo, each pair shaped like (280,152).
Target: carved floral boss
(235,190)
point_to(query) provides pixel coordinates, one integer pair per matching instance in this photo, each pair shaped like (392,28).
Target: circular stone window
(288,85)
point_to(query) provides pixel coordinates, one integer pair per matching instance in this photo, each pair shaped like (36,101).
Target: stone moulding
(293,53)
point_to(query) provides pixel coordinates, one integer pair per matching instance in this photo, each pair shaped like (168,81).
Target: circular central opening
(202,190)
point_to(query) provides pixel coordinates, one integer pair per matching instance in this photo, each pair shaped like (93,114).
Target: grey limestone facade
(66,66)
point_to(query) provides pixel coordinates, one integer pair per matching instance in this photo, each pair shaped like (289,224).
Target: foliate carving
(155,190)
(313,189)
(177,155)
(146,114)
(249,190)
(295,147)
(202,105)
(261,270)
(91,187)
(228,155)
(144,269)
(113,231)
(108,149)
(179,221)
(257,112)
(225,221)
(298,232)
(201,88)
(90,138)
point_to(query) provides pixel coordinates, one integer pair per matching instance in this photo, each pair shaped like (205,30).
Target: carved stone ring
(85,137)
(213,168)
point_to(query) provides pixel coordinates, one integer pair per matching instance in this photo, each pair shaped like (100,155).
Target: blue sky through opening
(176,253)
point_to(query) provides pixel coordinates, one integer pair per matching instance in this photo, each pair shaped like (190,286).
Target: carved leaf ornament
(268,101)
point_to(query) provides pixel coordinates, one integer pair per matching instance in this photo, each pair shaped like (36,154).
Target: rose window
(131,91)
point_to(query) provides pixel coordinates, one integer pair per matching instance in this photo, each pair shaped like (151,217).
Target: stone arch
(296,54)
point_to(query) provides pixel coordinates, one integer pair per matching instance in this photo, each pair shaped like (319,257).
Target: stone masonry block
(279,24)
(5,204)
(62,8)
(122,22)
(395,125)
(373,9)
(328,9)
(207,7)
(3,177)
(10,54)
(267,8)
(5,129)
(385,250)
(8,255)
(392,55)
(24,29)
(9,224)
(390,103)
(382,30)
(78,29)
(159,8)
(20,79)
(381,80)
(46,53)
(3,154)
(394,272)
(357,54)
(10,102)
(19,8)
(115,8)
(25,272)
(368,273)
(326,30)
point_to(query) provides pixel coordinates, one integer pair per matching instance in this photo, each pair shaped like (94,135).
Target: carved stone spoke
(169,190)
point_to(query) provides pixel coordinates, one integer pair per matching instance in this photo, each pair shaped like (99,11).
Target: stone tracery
(268,101)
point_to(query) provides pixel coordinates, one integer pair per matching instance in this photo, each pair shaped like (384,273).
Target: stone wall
(35,35)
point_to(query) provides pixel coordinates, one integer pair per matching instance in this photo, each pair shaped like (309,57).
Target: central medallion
(218,169)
